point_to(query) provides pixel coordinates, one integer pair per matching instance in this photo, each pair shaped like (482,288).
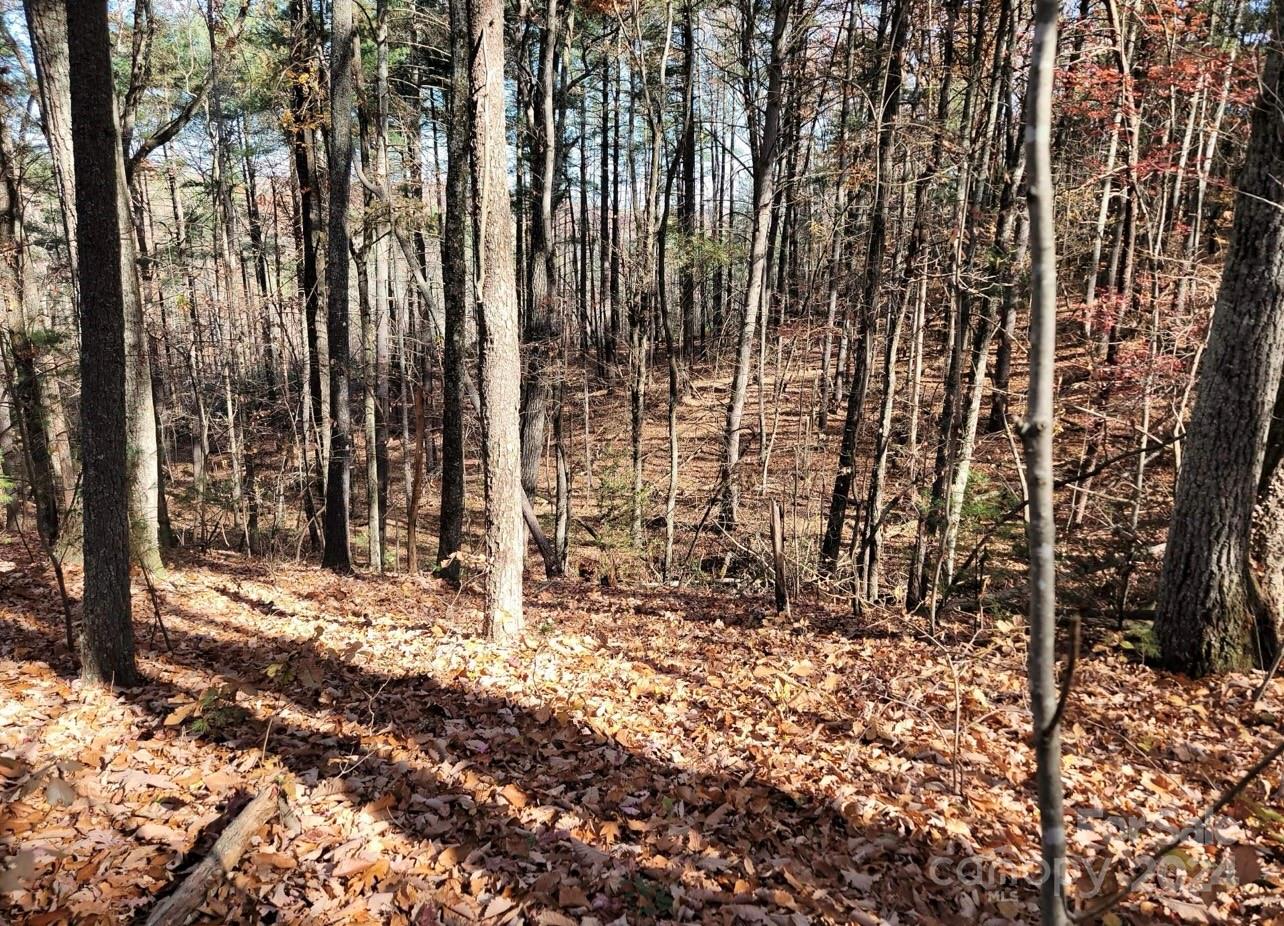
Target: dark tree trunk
(687,203)
(832,540)
(457,291)
(107,643)
(302,111)
(339,475)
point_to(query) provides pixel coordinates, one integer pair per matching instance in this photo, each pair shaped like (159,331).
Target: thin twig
(1226,797)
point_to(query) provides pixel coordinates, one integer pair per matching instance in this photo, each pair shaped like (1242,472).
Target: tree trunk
(497,326)
(765,148)
(24,380)
(541,330)
(48,26)
(457,280)
(890,104)
(339,475)
(107,643)
(1203,621)
(1036,431)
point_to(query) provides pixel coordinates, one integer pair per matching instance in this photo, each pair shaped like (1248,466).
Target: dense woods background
(660,298)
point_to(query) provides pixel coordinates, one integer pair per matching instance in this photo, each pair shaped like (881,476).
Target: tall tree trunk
(107,643)
(457,280)
(831,542)
(1036,431)
(303,117)
(687,203)
(47,21)
(497,326)
(764,144)
(381,297)
(339,476)
(542,313)
(1203,621)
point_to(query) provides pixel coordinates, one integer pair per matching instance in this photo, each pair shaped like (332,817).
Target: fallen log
(177,908)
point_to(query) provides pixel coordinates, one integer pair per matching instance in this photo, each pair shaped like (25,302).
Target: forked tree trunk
(765,149)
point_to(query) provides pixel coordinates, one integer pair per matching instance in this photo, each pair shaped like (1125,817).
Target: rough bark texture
(1266,565)
(339,476)
(542,321)
(107,644)
(1203,622)
(456,292)
(497,326)
(48,24)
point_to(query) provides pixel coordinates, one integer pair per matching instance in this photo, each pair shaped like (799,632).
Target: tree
(24,382)
(1204,620)
(1036,432)
(764,146)
(457,277)
(107,644)
(891,101)
(338,555)
(542,321)
(48,25)
(497,325)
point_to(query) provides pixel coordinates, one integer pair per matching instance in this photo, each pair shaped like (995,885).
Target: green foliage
(1139,637)
(698,251)
(294,671)
(984,503)
(214,710)
(613,495)
(46,338)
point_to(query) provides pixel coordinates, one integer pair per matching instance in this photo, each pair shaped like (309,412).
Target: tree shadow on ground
(643,838)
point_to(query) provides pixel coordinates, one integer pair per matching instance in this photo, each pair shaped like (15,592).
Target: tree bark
(457,280)
(339,474)
(107,643)
(1203,621)
(1036,432)
(25,381)
(497,325)
(48,24)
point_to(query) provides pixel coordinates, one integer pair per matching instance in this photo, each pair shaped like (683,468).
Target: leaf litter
(645,755)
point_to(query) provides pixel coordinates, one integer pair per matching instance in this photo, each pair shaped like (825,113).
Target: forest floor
(645,755)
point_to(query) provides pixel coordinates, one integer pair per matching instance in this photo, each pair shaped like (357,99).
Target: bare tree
(497,326)
(764,146)
(1036,432)
(107,644)
(338,480)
